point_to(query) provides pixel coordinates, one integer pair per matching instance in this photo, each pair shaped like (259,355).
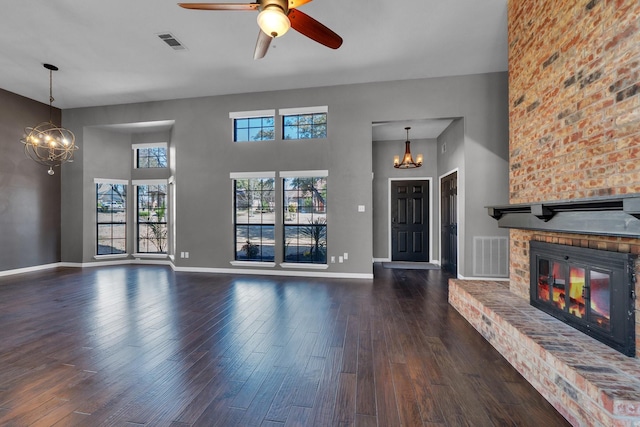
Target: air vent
(171,41)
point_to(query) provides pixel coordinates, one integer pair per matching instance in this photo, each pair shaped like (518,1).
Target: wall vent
(491,256)
(172,41)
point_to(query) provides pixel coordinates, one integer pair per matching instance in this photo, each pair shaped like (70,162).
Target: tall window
(151,218)
(254,218)
(150,155)
(304,123)
(305,217)
(111,217)
(253,125)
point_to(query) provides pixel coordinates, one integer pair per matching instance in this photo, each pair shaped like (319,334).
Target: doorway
(449,218)
(410,209)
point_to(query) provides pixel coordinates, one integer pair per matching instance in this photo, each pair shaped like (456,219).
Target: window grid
(304,126)
(254,129)
(111,219)
(151,157)
(254,219)
(305,220)
(152,219)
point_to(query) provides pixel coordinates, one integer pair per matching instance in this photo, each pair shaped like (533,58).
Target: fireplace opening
(589,289)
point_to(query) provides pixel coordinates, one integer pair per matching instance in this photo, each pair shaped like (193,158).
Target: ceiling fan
(275,19)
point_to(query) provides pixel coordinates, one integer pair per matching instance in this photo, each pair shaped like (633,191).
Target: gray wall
(384,172)
(29,197)
(205,155)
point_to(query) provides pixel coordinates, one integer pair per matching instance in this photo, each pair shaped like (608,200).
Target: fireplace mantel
(604,216)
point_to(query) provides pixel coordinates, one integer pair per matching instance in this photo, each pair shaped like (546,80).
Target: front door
(449,215)
(410,221)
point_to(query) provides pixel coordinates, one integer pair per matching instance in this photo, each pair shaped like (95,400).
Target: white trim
(29,269)
(303,110)
(304,266)
(149,145)
(110,256)
(382,260)
(303,174)
(367,276)
(150,182)
(431,196)
(252,264)
(290,273)
(252,114)
(171,180)
(149,255)
(248,175)
(110,181)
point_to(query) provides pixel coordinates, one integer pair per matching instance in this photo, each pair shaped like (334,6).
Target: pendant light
(46,143)
(407,160)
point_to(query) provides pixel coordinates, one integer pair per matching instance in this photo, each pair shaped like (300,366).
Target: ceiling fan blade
(219,6)
(297,3)
(304,24)
(262,45)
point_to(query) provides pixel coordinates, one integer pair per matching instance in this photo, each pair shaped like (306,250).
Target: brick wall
(574,111)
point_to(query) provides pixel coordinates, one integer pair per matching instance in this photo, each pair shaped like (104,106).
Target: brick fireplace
(574,140)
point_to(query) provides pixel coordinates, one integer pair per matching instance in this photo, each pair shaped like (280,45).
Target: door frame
(390,232)
(460,230)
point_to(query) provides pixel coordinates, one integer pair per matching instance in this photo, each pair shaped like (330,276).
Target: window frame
(167,209)
(252,115)
(289,263)
(299,112)
(118,182)
(259,261)
(136,154)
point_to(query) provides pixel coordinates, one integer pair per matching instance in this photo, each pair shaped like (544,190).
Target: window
(111,217)
(254,217)
(305,217)
(150,155)
(304,123)
(253,125)
(151,217)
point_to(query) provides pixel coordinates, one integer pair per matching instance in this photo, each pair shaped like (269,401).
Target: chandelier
(46,143)
(407,160)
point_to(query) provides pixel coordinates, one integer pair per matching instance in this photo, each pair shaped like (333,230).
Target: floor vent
(491,256)
(171,41)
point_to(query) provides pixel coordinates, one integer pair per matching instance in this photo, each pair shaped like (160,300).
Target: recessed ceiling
(420,129)
(109,52)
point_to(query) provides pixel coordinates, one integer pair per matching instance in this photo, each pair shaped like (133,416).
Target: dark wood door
(449,215)
(410,220)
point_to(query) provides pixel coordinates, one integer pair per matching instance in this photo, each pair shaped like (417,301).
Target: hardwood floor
(143,345)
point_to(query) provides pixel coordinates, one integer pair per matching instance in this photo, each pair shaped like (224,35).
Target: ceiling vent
(171,41)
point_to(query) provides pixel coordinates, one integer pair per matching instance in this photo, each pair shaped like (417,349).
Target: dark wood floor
(142,345)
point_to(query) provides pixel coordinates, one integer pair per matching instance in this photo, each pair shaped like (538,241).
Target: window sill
(150,256)
(306,266)
(252,264)
(111,256)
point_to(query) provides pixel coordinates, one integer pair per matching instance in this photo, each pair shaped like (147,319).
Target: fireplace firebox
(589,289)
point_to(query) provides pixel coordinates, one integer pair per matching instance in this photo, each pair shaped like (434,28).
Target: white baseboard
(29,269)
(291,273)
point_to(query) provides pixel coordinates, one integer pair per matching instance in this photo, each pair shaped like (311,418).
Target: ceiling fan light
(273,21)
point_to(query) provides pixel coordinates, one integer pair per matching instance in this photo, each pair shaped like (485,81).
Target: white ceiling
(108,52)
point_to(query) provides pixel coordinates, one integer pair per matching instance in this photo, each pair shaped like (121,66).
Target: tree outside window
(305,219)
(254,219)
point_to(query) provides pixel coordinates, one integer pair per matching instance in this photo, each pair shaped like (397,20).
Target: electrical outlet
(360,208)
(333,259)
(186,254)
(181,254)
(346,256)
(340,259)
